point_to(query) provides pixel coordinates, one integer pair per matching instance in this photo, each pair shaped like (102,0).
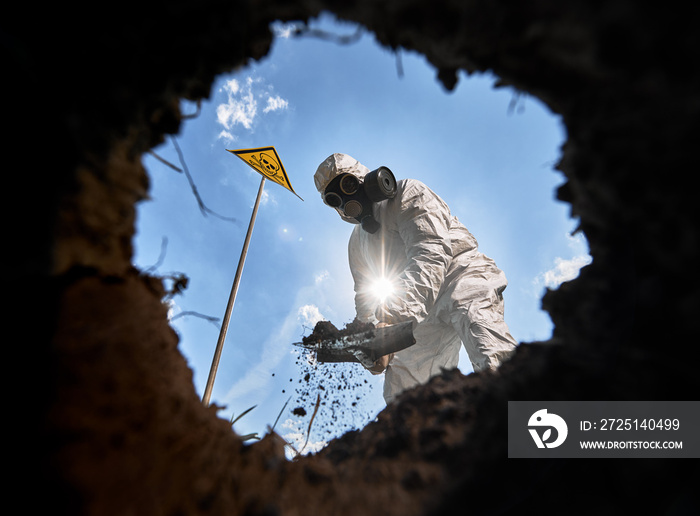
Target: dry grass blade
(313,416)
(247,436)
(233,421)
(278,415)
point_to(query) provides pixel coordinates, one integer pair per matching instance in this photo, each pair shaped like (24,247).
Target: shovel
(364,346)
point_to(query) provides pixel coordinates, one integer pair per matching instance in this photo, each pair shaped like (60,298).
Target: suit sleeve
(365,305)
(423,222)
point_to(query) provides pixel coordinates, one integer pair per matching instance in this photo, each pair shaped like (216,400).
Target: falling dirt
(342,387)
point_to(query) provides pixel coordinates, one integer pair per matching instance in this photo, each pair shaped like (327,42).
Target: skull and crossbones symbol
(267,163)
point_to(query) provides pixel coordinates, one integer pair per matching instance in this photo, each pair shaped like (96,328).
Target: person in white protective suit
(406,236)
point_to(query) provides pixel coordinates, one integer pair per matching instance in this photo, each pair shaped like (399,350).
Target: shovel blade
(365,346)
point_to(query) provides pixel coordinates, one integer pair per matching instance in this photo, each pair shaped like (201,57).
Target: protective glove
(381,364)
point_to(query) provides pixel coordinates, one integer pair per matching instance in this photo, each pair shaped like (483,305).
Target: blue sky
(489,153)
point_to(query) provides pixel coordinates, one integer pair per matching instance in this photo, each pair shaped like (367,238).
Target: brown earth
(109,421)
(326,330)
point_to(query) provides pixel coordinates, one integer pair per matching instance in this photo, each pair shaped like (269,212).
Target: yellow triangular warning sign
(266,161)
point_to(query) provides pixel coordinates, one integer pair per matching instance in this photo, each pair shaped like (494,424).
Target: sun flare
(382,288)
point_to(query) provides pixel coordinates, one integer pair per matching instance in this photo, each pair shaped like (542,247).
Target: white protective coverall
(443,283)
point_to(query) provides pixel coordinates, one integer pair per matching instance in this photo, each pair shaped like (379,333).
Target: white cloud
(321,277)
(566,269)
(241,105)
(237,110)
(225,135)
(267,198)
(563,270)
(232,86)
(173,308)
(275,103)
(309,315)
(284,31)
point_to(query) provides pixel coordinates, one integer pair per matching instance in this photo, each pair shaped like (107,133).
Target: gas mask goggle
(353,197)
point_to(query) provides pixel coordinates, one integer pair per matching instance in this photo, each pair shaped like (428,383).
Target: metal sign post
(231,300)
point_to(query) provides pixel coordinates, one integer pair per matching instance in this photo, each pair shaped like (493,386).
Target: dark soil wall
(109,420)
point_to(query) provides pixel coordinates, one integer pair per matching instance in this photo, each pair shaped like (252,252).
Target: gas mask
(353,197)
